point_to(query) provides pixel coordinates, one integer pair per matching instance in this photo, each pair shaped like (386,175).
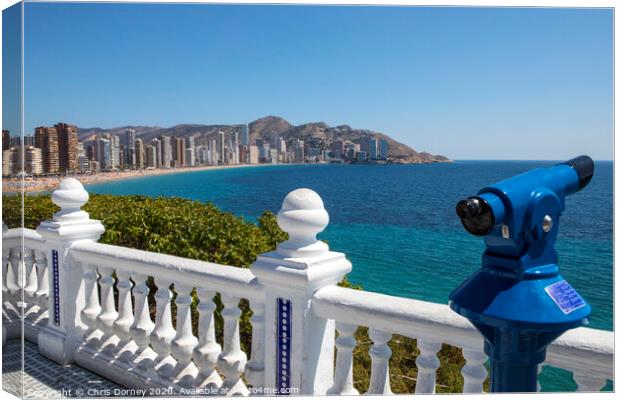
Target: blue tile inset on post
(56,288)
(283,351)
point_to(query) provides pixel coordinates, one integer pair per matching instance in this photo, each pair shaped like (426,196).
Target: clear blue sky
(473,83)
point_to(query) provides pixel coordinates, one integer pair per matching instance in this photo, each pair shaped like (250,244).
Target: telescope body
(517,299)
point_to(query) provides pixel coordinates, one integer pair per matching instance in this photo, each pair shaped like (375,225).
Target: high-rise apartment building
(129,140)
(298,147)
(67,147)
(166,151)
(178,149)
(221,148)
(9,162)
(253,154)
(156,143)
(151,156)
(140,152)
(337,148)
(46,139)
(373,152)
(6,140)
(33,160)
(190,159)
(83,161)
(103,154)
(244,137)
(383,151)
(115,148)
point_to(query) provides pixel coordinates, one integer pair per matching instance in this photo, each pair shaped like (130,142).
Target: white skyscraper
(166,151)
(244,137)
(115,151)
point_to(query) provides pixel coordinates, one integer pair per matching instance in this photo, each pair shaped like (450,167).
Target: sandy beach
(49,183)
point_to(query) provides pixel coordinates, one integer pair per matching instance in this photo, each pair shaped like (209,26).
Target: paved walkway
(43,378)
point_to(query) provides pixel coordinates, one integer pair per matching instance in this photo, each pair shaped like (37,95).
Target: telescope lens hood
(584,166)
(476,215)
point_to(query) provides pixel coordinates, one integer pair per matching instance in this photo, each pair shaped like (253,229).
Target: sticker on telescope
(565,296)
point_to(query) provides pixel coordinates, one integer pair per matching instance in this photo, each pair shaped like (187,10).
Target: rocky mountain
(317,134)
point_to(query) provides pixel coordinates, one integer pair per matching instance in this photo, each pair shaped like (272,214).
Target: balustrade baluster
(163,333)
(142,326)
(108,312)
(7,284)
(125,316)
(14,279)
(30,280)
(232,361)
(474,373)
(427,363)
(380,354)
(208,350)
(92,308)
(587,381)
(42,280)
(255,369)
(6,253)
(183,344)
(343,377)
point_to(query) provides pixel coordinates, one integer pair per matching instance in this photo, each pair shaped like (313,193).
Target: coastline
(33,185)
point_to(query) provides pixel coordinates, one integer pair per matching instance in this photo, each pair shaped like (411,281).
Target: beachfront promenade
(89,304)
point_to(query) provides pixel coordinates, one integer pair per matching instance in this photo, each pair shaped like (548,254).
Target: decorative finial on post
(70,197)
(302,216)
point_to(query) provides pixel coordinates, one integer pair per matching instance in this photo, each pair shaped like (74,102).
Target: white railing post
(299,347)
(64,331)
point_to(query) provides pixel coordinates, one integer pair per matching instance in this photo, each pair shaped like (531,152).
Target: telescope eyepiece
(584,166)
(476,215)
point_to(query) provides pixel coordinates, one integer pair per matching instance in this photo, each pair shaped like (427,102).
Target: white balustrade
(343,379)
(208,350)
(61,270)
(232,360)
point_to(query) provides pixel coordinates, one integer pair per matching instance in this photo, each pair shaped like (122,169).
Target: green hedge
(200,231)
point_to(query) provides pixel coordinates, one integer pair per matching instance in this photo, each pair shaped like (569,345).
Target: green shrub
(200,231)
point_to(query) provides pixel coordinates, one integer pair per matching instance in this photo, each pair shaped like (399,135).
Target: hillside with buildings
(65,148)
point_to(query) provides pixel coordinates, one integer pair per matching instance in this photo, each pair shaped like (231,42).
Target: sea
(397,223)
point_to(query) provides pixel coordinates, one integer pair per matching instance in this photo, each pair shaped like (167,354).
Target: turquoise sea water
(397,225)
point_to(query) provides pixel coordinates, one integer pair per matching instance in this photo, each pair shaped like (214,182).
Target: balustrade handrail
(226,279)
(32,240)
(593,348)
(407,317)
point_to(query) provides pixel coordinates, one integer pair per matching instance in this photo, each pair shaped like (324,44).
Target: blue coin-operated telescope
(518,300)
